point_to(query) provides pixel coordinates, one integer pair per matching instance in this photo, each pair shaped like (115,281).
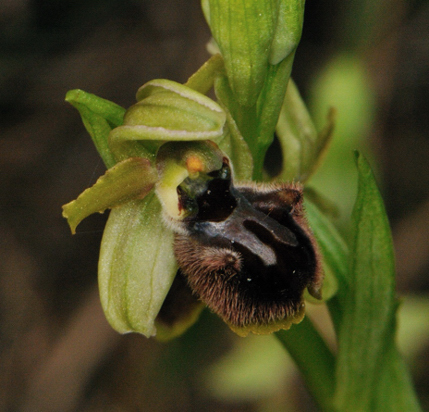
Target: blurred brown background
(57,352)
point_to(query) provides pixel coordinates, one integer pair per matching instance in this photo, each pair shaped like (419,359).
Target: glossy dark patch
(248,252)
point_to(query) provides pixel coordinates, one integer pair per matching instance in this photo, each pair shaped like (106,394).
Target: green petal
(202,80)
(99,116)
(160,86)
(136,267)
(128,180)
(301,145)
(169,111)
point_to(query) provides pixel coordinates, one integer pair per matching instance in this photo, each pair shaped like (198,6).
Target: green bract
(257,40)
(302,146)
(252,36)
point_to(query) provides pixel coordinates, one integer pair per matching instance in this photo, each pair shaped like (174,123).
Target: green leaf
(391,388)
(301,145)
(394,387)
(99,116)
(369,305)
(128,180)
(136,266)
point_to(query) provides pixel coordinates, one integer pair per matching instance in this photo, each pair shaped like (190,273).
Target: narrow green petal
(202,80)
(136,266)
(99,116)
(128,180)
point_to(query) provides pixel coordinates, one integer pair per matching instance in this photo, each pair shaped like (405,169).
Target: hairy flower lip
(250,267)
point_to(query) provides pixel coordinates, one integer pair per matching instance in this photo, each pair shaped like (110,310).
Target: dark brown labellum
(247,251)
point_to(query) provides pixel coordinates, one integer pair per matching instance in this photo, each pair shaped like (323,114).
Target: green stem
(314,360)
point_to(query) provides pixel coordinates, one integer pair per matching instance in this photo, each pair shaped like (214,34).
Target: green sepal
(128,180)
(99,117)
(136,266)
(302,146)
